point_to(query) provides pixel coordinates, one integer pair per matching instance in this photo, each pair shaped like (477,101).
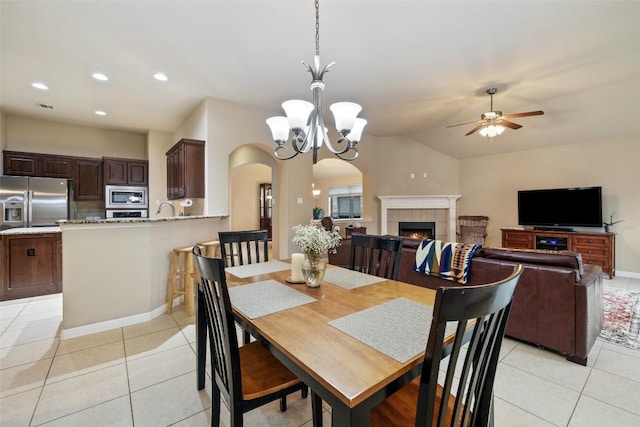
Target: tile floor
(144,375)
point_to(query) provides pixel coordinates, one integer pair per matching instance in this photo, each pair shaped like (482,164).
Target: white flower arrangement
(315,241)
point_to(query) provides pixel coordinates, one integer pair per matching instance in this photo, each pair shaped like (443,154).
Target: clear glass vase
(313,269)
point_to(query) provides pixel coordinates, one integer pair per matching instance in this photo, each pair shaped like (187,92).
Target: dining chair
(244,247)
(248,376)
(472,229)
(480,315)
(376,255)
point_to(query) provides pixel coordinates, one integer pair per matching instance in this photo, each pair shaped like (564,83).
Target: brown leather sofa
(557,304)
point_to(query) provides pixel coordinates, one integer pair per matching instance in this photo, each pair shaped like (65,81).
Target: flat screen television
(561,207)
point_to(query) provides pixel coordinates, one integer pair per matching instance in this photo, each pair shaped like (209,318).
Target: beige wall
(39,136)
(489,186)
(229,126)
(158,143)
(245,195)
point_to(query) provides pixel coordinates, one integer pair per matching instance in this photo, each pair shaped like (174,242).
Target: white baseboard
(116,323)
(630,274)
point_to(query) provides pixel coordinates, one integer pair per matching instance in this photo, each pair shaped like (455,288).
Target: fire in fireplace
(417,230)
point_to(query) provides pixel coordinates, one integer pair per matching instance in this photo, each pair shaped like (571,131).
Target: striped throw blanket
(447,260)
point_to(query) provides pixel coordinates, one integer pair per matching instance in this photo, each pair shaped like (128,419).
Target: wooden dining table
(348,374)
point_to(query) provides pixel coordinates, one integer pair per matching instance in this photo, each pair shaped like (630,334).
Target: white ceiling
(415,66)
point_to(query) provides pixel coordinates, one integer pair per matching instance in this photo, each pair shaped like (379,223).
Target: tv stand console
(595,248)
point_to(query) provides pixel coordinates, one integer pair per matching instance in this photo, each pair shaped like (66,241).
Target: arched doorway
(250,167)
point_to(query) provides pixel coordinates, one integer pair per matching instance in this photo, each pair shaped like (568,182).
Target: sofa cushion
(567,259)
(447,260)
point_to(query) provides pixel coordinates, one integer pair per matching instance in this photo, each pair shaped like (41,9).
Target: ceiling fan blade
(529,113)
(509,124)
(475,129)
(466,123)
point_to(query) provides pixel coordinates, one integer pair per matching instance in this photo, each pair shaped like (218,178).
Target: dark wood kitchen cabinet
(87,180)
(31,265)
(185,169)
(132,172)
(56,166)
(19,163)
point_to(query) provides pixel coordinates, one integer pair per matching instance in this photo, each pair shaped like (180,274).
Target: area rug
(621,317)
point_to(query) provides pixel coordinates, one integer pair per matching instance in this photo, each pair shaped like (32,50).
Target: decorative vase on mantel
(313,269)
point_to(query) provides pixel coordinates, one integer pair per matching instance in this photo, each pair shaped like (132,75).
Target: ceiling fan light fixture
(491,131)
(493,122)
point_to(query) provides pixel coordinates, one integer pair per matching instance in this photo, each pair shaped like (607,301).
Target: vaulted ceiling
(414,66)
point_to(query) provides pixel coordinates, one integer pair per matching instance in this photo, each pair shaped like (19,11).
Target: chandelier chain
(317,4)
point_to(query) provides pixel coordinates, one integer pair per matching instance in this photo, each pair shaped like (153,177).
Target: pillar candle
(296,267)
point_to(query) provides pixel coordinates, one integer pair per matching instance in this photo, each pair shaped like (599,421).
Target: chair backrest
(327,223)
(376,255)
(214,301)
(244,247)
(488,306)
(472,229)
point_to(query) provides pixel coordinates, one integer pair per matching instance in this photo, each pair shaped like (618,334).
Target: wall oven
(126,213)
(124,197)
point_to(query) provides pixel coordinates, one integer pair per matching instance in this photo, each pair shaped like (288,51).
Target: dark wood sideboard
(596,248)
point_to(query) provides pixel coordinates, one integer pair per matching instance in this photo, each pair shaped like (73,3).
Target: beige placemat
(249,270)
(349,279)
(398,328)
(267,297)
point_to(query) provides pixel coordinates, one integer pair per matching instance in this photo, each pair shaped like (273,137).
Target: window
(345,202)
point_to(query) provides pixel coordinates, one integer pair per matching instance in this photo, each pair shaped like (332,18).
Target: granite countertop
(130,220)
(31,230)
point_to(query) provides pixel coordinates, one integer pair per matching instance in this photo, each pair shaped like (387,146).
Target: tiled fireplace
(417,229)
(439,210)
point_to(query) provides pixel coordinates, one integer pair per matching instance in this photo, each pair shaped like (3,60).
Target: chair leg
(283,404)
(304,392)
(172,281)
(201,342)
(189,285)
(215,405)
(246,337)
(316,409)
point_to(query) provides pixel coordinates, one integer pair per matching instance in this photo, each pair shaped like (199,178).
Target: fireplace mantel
(420,202)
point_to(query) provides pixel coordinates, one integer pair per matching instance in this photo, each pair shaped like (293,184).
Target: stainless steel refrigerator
(33,202)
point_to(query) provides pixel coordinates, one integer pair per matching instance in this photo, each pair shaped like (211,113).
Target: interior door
(265,207)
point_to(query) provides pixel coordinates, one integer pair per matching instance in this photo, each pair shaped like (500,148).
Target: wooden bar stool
(210,249)
(182,271)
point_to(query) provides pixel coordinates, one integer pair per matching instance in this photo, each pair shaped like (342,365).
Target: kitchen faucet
(166,202)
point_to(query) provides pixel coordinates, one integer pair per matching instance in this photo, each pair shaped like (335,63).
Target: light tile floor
(144,375)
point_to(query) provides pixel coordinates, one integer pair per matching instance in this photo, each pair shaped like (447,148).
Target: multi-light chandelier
(304,119)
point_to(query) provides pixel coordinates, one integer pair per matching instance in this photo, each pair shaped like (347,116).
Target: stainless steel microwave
(124,197)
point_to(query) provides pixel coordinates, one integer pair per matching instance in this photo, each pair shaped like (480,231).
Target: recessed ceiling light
(100,113)
(100,76)
(39,85)
(160,76)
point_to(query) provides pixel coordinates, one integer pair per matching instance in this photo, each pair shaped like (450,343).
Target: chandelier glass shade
(304,125)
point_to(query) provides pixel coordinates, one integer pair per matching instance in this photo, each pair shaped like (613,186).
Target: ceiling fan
(493,123)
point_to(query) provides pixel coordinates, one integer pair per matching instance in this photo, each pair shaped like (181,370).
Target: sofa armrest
(589,310)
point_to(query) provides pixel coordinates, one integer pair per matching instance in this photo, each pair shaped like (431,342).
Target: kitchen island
(115,272)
